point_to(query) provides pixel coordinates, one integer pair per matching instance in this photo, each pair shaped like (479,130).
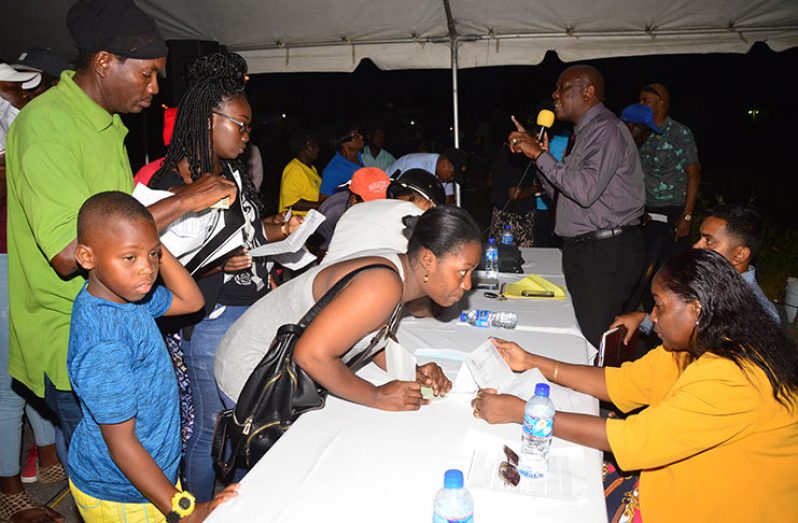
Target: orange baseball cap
(370,183)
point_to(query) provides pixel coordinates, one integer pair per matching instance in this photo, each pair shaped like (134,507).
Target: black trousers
(601,276)
(660,244)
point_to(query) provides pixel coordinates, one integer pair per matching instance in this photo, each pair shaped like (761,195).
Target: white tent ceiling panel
(400,55)
(334,35)
(250,25)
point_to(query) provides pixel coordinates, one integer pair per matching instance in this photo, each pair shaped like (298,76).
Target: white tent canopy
(335,35)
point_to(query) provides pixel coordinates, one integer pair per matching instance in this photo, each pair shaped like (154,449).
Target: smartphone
(537,294)
(612,350)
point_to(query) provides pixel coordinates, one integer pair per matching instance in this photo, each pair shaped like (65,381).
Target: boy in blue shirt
(125,453)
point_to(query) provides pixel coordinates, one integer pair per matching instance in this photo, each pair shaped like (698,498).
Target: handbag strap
(358,361)
(334,290)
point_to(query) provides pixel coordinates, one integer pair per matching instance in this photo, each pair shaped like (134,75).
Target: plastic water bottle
(485,318)
(453,503)
(533,462)
(507,235)
(492,260)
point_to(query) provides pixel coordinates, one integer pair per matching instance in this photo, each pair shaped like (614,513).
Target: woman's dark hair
(442,230)
(212,79)
(732,323)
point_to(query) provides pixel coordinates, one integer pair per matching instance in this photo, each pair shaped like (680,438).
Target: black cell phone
(537,294)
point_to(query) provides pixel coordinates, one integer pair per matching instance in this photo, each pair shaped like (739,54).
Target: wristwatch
(183,504)
(687,217)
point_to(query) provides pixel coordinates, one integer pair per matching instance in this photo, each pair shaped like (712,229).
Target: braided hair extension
(212,80)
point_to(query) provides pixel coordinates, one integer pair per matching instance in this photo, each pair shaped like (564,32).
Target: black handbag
(278,391)
(510,259)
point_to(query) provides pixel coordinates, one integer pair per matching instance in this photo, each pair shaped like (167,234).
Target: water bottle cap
(541,389)
(491,241)
(453,478)
(507,227)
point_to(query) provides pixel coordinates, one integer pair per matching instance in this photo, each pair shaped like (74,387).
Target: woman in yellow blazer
(717,438)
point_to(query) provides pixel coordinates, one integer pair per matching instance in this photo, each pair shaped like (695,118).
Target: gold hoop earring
(426,277)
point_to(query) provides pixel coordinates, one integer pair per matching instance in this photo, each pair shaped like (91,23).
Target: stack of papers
(533,286)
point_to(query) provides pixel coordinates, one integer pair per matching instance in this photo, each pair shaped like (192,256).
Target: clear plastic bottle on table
(453,503)
(486,318)
(507,235)
(492,260)
(533,460)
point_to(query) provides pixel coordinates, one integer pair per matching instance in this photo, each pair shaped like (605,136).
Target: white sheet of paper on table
(482,453)
(401,365)
(296,240)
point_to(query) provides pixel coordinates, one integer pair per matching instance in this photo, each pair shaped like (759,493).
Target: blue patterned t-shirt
(120,369)
(664,158)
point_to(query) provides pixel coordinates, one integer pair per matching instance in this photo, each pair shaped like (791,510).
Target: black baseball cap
(419,181)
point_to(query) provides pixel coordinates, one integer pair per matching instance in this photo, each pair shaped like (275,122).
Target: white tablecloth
(350,463)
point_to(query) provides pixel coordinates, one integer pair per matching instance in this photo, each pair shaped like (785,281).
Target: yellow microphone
(544,121)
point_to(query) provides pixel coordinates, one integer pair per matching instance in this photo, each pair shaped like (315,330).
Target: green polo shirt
(61,149)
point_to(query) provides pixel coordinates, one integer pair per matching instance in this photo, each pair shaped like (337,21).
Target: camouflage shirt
(665,158)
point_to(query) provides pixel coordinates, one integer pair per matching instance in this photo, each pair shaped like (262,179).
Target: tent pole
(455,108)
(455,112)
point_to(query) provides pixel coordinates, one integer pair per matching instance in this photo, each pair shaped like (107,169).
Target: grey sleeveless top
(248,339)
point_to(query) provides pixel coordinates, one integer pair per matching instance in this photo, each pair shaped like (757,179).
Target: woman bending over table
(443,251)
(717,439)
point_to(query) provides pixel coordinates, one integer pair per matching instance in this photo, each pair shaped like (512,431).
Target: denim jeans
(199,355)
(12,405)
(65,405)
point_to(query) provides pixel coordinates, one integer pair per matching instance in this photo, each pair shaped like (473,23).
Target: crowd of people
(124,407)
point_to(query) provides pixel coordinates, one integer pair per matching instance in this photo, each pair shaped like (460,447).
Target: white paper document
(489,368)
(185,236)
(295,241)
(295,260)
(481,455)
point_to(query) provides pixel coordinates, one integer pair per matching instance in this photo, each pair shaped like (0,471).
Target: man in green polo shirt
(67,145)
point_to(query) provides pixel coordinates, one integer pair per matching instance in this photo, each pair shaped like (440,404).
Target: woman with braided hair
(211,132)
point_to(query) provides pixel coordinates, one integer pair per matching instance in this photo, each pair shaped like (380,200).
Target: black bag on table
(510,259)
(278,391)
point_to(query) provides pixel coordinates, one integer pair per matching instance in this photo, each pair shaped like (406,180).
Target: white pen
(287,215)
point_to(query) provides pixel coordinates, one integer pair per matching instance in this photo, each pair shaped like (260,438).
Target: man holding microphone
(599,193)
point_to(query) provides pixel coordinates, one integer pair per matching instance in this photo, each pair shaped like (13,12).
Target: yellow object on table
(533,286)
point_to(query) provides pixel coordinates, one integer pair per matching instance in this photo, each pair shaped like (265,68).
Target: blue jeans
(12,405)
(66,406)
(199,355)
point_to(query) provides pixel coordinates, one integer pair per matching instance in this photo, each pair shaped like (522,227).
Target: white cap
(29,80)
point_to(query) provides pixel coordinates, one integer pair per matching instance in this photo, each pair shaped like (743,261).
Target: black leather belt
(603,234)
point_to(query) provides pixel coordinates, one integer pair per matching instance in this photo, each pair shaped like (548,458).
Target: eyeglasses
(242,127)
(508,470)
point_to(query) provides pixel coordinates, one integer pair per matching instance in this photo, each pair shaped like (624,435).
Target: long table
(350,463)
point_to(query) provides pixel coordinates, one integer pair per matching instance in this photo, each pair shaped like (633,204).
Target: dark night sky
(741,158)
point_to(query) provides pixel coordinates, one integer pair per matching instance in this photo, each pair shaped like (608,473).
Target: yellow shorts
(94,510)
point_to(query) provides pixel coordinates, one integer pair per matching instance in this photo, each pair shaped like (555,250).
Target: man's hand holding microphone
(520,141)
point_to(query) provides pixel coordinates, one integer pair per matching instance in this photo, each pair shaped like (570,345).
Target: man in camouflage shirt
(672,176)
